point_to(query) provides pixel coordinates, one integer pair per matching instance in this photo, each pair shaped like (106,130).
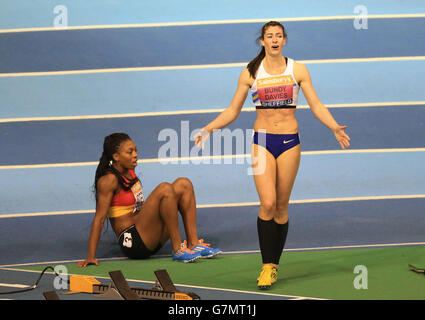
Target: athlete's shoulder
(299,65)
(301,71)
(245,77)
(245,73)
(107,182)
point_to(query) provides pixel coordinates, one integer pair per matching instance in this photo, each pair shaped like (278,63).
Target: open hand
(342,137)
(201,137)
(87,262)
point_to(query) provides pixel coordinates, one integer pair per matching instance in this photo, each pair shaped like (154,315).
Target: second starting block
(119,288)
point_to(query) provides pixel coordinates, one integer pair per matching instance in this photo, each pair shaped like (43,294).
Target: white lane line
(201,66)
(200,111)
(213,22)
(13,285)
(206,159)
(13,267)
(227,205)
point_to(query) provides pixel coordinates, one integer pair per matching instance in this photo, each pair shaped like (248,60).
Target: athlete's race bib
(128,241)
(138,195)
(276,91)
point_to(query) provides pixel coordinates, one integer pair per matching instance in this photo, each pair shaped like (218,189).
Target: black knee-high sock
(267,240)
(272,239)
(281,232)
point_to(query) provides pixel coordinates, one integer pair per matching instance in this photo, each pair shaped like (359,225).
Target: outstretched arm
(230,113)
(106,187)
(319,110)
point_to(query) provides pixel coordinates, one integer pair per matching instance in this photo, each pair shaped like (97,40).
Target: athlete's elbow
(317,108)
(99,221)
(232,114)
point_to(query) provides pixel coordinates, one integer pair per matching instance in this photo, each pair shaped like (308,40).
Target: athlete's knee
(282,208)
(281,214)
(166,189)
(268,206)
(183,184)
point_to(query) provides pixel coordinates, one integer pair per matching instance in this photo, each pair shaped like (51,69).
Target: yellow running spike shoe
(267,277)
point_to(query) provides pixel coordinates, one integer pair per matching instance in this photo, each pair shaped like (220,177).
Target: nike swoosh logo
(285,142)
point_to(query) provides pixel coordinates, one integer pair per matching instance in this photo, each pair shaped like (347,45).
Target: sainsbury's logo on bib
(275,81)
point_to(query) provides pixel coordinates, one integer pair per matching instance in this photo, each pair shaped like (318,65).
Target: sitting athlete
(142,227)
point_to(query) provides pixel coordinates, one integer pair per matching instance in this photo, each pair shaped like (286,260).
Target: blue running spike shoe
(205,250)
(185,254)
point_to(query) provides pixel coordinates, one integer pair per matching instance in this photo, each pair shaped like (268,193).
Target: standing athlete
(274,81)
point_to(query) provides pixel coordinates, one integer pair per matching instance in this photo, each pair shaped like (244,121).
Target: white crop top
(275,91)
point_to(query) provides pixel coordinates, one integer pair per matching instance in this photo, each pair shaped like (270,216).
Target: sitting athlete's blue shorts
(276,144)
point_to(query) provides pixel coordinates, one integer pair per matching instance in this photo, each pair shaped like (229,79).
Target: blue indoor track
(157,68)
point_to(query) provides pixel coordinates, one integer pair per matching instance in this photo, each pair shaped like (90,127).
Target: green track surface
(327,274)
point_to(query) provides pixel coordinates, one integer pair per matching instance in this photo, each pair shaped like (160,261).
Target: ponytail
(254,64)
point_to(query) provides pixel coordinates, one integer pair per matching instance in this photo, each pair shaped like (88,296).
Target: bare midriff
(119,224)
(276,121)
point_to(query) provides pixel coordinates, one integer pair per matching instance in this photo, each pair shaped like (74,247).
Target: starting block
(119,288)
(50,295)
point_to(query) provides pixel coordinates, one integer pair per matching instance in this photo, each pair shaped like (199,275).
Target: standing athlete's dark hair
(111,145)
(255,63)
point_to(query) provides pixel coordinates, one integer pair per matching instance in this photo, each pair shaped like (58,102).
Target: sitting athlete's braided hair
(111,145)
